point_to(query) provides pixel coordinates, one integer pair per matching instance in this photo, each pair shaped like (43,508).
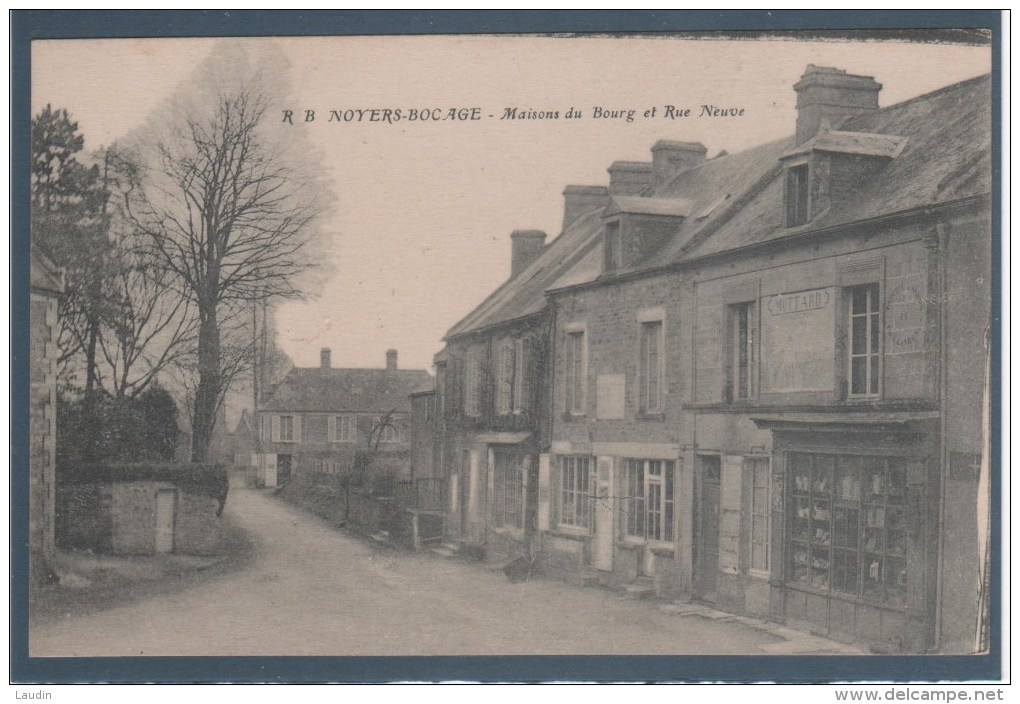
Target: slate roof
(673,207)
(946,156)
(938,147)
(865,143)
(312,390)
(524,295)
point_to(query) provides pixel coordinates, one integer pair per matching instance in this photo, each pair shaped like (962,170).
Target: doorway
(706,527)
(283,469)
(166,503)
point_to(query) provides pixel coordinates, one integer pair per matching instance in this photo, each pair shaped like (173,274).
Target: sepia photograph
(610,344)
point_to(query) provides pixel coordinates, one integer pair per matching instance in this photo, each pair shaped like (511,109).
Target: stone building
(768,372)
(317,419)
(494,394)
(46,285)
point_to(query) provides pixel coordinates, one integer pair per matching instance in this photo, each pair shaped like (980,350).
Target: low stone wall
(120,518)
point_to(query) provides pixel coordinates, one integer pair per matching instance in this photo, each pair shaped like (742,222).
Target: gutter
(925,210)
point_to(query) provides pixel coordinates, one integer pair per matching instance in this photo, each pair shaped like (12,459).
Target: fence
(427,494)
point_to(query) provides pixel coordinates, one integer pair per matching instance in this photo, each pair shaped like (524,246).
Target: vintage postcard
(512,345)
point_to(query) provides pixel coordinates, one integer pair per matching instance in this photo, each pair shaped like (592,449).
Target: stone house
(46,284)
(768,397)
(493,391)
(316,419)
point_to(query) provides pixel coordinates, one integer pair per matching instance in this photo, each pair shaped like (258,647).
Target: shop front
(857,500)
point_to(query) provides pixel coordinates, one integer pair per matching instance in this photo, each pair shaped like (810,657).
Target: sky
(420,229)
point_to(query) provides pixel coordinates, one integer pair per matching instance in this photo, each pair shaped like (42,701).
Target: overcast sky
(424,213)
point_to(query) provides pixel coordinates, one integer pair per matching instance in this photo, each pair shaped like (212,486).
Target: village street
(312,590)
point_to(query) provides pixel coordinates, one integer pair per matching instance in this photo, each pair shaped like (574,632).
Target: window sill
(760,574)
(516,533)
(657,548)
(570,533)
(651,415)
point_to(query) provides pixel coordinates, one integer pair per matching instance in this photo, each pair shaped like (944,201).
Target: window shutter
(331,434)
(276,428)
(522,386)
(297,428)
(543,492)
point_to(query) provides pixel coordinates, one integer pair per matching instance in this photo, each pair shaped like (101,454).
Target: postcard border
(30,25)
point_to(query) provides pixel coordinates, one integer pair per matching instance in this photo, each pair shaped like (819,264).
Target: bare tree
(228,213)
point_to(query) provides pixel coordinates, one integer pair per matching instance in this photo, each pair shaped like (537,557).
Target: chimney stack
(391,360)
(525,246)
(324,362)
(831,95)
(628,178)
(671,158)
(578,200)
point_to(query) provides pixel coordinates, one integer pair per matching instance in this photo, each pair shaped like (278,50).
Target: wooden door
(166,503)
(707,528)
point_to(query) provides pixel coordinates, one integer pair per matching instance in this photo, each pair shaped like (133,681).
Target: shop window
(865,340)
(849,525)
(575,485)
(757,469)
(648,502)
(796,195)
(576,375)
(650,372)
(743,355)
(508,490)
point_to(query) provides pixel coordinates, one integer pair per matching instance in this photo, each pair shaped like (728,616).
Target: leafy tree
(69,224)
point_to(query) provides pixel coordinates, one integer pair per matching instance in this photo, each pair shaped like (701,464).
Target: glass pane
(859,336)
(821,484)
(848,479)
(873,380)
(876,329)
(859,303)
(858,375)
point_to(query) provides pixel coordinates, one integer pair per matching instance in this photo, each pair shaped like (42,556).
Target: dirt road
(312,590)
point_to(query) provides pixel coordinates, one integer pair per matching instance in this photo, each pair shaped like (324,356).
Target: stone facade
(46,285)
(767,379)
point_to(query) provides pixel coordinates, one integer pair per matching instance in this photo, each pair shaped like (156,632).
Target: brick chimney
(831,95)
(628,178)
(391,360)
(324,362)
(578,200)
(525,246)
(671,158)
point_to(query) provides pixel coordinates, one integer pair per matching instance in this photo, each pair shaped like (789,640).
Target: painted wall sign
(609,396)
(798,342)
(799,302)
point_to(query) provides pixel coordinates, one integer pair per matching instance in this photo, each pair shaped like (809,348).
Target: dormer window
(612,247)
(796,195)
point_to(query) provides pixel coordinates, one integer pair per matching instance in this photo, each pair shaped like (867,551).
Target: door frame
(173,520)
(698,570)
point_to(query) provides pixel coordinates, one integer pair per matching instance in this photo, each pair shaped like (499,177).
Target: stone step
(639,589)
(382,536)
(444,551)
